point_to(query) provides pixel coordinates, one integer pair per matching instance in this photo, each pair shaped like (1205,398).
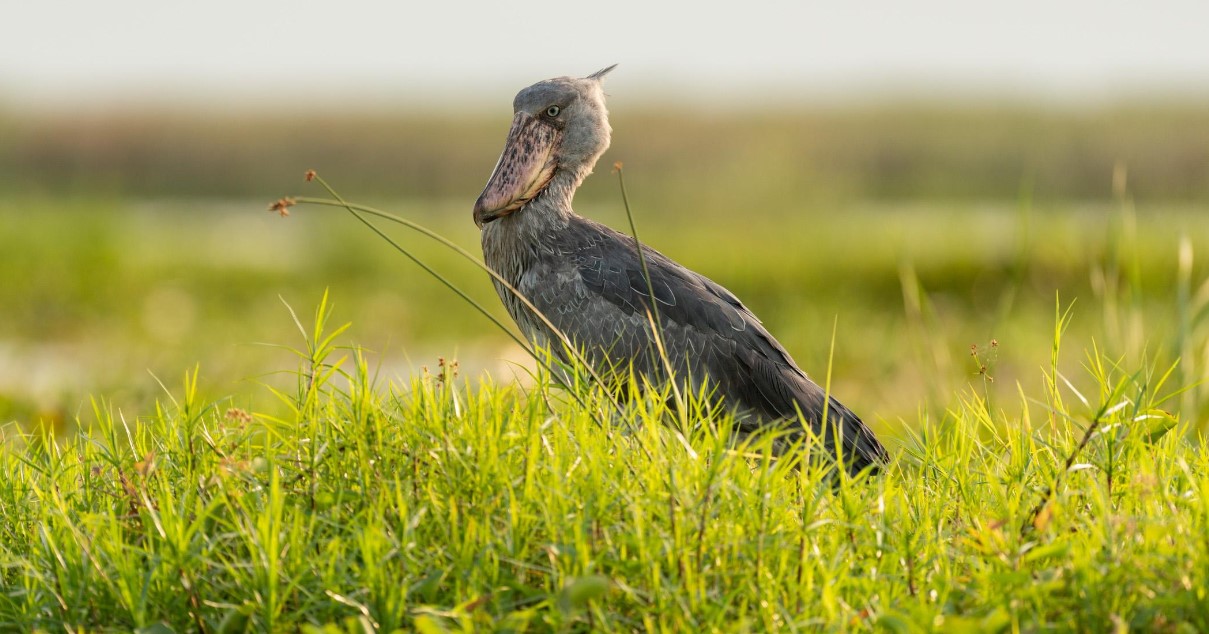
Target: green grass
(343,496)
(352,487)
(442,505)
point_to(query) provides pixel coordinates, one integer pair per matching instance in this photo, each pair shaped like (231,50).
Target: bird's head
(559,127)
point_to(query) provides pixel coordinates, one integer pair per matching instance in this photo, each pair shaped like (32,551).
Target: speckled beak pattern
(524,169)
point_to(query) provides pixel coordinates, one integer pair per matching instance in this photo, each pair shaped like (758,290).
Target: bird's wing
(592,287)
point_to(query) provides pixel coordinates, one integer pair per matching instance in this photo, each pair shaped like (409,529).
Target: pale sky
(83,53)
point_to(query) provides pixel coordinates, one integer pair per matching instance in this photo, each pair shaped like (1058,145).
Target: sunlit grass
(440,504)
(1034,357)
(342,496)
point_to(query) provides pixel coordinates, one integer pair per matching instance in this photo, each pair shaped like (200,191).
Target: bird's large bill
(524,169)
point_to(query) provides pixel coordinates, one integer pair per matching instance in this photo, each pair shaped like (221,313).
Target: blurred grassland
(136,244)
(721,161)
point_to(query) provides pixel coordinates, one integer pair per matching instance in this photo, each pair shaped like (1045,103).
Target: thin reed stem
(653,316)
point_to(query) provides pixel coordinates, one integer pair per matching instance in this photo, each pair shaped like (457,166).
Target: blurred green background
(136,242)
(896,181)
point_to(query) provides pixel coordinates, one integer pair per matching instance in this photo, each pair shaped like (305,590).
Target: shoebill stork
(588,281)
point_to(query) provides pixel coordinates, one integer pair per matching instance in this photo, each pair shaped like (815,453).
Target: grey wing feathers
(601,300)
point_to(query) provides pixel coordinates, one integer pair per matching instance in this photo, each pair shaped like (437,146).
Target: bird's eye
(553,111)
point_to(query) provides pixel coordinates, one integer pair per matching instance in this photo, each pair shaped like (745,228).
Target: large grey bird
(588,281)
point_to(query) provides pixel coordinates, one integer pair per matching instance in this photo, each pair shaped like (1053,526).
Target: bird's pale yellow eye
(553,111)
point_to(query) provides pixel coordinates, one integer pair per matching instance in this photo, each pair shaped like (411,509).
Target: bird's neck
(554,203)
(550,211)
(512,243)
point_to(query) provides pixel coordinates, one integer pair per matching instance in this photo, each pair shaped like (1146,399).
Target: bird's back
(587,279)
